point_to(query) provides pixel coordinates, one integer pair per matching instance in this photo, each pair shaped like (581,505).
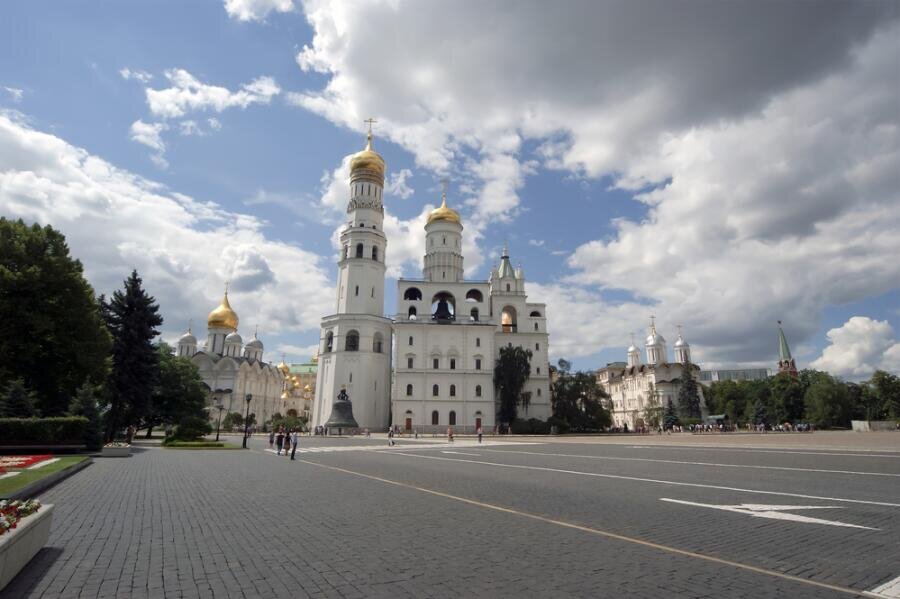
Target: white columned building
(355,341)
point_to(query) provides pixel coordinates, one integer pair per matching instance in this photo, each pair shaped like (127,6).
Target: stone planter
(115,452)
(20,544)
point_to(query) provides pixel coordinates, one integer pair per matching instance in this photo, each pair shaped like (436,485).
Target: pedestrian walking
(480,433)
(295,441)
(272,438)
(287,442)
(279,440)
(449,434)
(390,437)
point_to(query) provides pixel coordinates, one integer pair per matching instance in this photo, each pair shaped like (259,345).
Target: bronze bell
(341,414)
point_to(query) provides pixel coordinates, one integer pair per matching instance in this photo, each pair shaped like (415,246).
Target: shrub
(17,401)
(190,429)
(61,430)
(192,444)
(562,427)
(532,426)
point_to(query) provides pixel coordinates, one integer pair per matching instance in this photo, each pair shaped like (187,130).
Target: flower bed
(21,461)
(24,530)
(116,449)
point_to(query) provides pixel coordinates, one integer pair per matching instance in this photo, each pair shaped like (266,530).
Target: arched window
(329,342)
(410,340)
(412,294)
(409,390)
(452,390)
(435,390)
(508,319)
(477,390)
(507,286)
(346,251)
(412,313)
(539,391)
(535,326)
(452,418)
(375,253)
(377,343)
(359,250)
(434,418)
(535,314)
(356,291)
(474,314)
(443,307)
(473,295)
(352,341)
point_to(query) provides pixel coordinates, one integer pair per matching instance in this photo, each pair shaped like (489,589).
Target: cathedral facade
(231,370)
(446,334)
(639,392)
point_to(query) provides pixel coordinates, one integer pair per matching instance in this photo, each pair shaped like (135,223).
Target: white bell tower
(355,342)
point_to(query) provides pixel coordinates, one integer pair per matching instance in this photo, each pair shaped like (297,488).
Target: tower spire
(785,360)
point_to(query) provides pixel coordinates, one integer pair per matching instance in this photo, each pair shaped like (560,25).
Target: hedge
(64,430)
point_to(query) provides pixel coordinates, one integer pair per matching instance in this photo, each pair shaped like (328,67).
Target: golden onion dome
(307,388)
(444,213)
(223,316)
(367,160)
(284,368)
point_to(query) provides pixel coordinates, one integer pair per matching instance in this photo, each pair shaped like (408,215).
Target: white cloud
(256,10)
(188,94)
(214,123)
(396,184)
(536,242)
(136,74)
(183,248)
(15,93)
(772,189)
(190,127)
(859,347)
(150,134)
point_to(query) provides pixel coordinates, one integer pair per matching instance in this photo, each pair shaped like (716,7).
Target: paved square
(684,516)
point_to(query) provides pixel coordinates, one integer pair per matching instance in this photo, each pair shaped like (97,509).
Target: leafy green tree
(51,333)
(577,399)
(828,402)
(85,404)
(760,412)
(180,392)
(17,401)
(670,419)
(132,317)
(653,413)
(511,370)
(886,388)
(192,428)
(688,394)
(787,397)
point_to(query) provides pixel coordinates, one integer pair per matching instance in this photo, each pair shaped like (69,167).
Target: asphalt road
(526,517)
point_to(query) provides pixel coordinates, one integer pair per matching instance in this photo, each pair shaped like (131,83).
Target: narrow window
(477,390)
(477,363)
(435,363)
(537,347)
(435,391)
(409,362)
(539,391)
(434,418)
(535,326)
(452,363)
(409,390)
(507,286)
(356,291)
(477,341)
(375,253)
(452,390)
(359,250)
(452,418)
(410,340)
(538,369)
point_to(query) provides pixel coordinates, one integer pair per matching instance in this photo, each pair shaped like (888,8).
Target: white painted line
(784,450)
(42,464)
(774,512)
(889,590)
(688,463)
(651,480)
(477,455)
(8,475)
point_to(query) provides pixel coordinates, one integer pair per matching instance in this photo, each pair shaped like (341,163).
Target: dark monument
(341,414)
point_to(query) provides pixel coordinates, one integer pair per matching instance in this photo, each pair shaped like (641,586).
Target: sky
(721,166)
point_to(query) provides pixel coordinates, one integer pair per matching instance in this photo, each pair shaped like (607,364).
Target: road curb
(39,486)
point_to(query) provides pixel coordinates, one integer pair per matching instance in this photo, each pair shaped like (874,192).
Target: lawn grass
(200,445)
(26,477)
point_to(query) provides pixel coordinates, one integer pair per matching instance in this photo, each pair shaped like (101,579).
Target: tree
(179,393)
(828,402)
(670,419)
(886,388)
(577,400)
(787,395)
(760,413)
(511,370)
(132,317)
(85,404)
(653,413)
(688,395)
(17,401)
(51,332)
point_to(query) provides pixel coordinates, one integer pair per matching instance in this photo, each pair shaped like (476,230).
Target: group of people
(285,440)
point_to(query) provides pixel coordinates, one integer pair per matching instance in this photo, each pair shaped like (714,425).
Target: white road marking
(780,450)
(889,590)
(689,463)
(478,455)
(652,480)
(774,512)
(385,448)
(42,464)
(8,475)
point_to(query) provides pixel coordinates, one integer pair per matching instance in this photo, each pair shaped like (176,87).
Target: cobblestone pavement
(442,520)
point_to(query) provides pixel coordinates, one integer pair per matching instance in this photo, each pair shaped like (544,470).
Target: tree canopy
(688,395)
(577,399)
(511,371)
(51,332)
(179,393)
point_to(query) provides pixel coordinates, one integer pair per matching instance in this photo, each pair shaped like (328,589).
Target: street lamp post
(219,406)
(248,398)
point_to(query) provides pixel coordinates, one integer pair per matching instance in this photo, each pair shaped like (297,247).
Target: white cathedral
(446,334)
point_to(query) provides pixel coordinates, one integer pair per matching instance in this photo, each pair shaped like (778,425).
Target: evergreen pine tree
(670,420)
(17,401)
(688,396)
(132,317)
(511,370)
(85,404)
